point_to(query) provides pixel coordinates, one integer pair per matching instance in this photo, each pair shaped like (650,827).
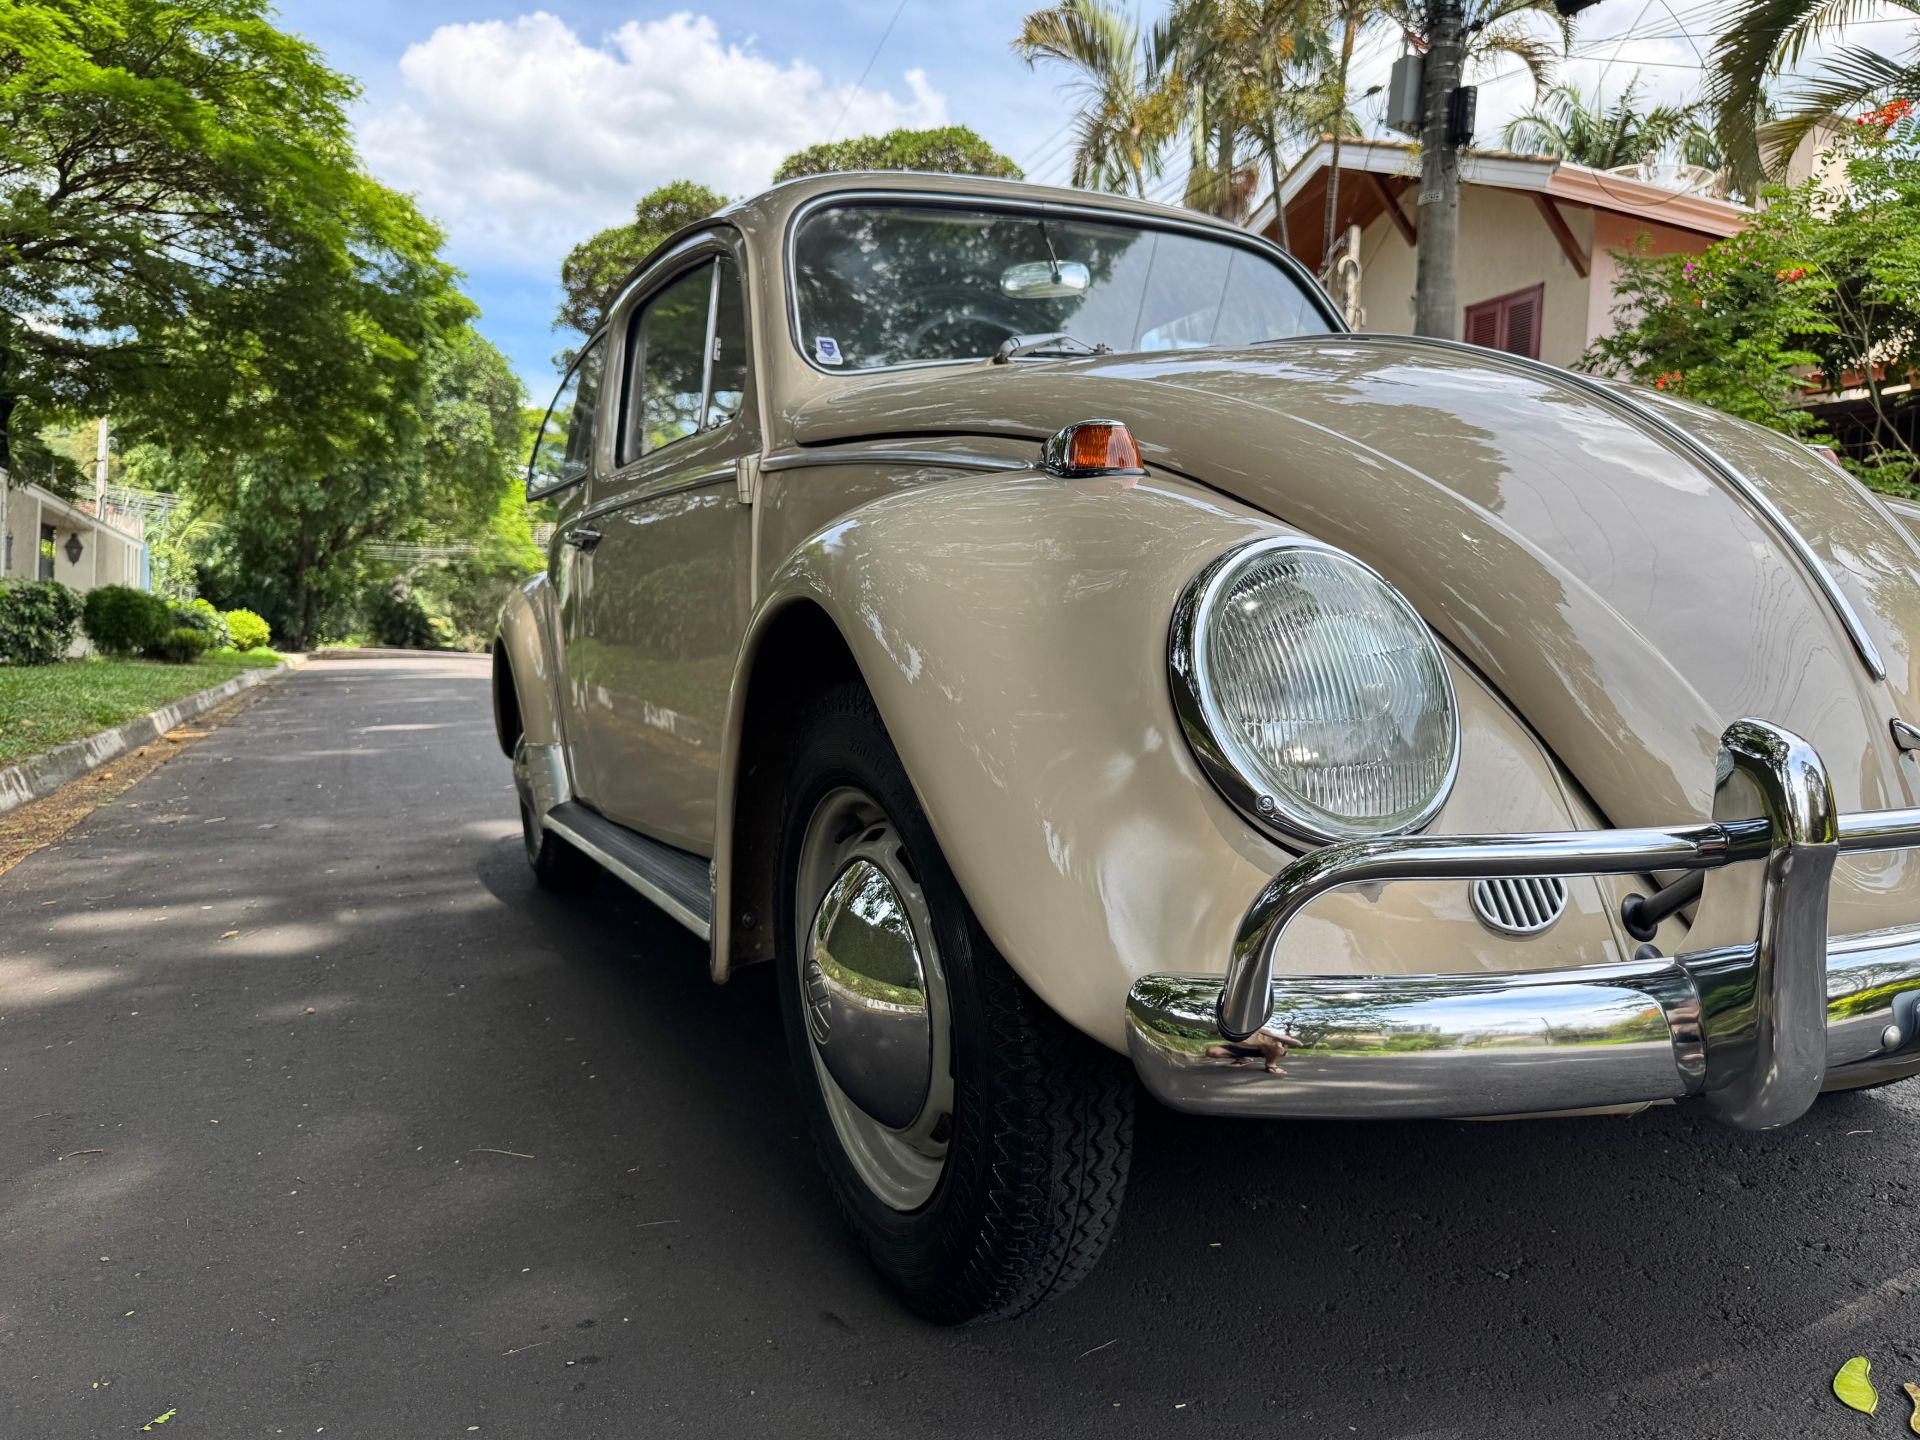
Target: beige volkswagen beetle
(1034,624)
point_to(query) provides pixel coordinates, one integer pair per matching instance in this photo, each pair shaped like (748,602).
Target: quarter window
(564,452)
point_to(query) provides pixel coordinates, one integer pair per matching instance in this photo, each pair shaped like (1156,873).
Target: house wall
(106,557)
(23,525)
(1614,232)
(1504,246)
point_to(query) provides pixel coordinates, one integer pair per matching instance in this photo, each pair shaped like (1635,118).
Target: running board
(678,882)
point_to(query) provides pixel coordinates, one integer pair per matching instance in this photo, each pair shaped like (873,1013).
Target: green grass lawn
(42,706)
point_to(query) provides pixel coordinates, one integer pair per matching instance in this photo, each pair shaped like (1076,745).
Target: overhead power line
(848,105)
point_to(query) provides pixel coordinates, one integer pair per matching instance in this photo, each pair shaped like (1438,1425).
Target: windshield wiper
(1057,342)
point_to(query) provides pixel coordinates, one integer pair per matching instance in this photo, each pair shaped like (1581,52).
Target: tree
(595,269)
(291,529)
(1129,110)
(950,150)
(1247,70)
(1569,125)
(170,176)
(1725,327)
(1821,290)
(1766,37)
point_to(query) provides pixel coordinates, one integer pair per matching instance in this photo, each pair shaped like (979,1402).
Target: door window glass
(729,349)
(666,350)
(564,451)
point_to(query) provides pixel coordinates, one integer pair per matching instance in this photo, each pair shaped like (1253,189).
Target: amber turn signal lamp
(1093,447)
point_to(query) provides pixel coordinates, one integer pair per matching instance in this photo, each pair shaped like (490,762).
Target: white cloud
(522,139)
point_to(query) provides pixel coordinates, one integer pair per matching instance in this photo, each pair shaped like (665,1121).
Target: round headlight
(1313,693)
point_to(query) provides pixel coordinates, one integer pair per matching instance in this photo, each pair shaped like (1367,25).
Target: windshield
(879,284)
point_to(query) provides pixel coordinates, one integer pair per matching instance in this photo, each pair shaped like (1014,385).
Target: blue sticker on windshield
(826,350)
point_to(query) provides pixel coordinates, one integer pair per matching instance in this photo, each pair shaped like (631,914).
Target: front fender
(1012,629)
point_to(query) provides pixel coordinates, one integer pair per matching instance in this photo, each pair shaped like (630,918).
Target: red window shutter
(1523,322)
(1508,322)
(1483,324)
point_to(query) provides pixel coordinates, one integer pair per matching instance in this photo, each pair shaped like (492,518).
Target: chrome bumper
(1757,1016)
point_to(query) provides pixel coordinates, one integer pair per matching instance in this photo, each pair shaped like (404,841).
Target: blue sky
(524,127)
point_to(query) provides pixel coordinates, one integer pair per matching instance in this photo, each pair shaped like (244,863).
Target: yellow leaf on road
(230,934)
(1853,1387)
(1913,1394)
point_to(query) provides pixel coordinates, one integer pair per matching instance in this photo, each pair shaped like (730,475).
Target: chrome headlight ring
(1258,787)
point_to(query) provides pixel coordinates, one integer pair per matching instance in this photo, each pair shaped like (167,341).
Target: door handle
(582,539)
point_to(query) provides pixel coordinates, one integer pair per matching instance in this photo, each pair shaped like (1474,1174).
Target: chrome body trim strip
(1760,1014)
(1723,469)
(667,485)
(847,454)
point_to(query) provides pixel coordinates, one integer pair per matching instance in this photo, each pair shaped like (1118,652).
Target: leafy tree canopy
(186,238)
(595,268)
(288,535)
(949,150)
(1821,291)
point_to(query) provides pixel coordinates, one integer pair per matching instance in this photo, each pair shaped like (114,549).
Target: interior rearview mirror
(1045,279)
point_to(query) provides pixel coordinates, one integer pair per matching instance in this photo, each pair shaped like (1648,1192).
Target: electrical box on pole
(1462,106)
(1404,96)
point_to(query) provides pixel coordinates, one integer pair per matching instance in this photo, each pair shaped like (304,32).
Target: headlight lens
(1313,693)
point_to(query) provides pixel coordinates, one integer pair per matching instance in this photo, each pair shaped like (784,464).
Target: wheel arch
(793,651)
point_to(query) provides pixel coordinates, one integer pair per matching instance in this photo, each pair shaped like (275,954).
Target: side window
(564,451)
(729,349)
(666,346)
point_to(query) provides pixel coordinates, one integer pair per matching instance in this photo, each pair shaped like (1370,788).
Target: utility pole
(1436,312)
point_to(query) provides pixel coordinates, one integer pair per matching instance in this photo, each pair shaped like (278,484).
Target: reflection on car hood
(1621,598)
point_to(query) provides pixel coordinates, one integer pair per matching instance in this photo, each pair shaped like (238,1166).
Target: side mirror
(1045,280)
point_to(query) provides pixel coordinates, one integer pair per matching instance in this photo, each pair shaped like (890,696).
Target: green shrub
(248,630)
(37,621)
(181,646)
(201,615)
(121,620)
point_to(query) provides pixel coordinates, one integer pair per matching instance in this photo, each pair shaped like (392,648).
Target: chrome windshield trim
(1226,235)
(1698,450)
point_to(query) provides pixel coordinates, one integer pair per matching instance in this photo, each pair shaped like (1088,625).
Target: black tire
(1042,1117)
(556,865)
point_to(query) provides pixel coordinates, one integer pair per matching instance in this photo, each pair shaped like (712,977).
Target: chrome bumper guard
(1757,1016)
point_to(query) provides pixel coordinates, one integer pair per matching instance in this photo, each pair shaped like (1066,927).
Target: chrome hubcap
(875,998)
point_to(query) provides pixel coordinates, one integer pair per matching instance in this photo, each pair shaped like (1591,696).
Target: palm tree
(1768,36)
(1129,111)
(1568,125)
(1241,66)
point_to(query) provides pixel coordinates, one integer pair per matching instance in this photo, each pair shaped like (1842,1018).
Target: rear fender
(524,643)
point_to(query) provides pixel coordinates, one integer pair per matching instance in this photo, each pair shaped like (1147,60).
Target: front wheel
(975,1143)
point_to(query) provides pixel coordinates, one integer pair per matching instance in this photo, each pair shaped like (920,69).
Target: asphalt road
(422,1152)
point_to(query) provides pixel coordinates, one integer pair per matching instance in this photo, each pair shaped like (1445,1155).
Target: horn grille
(1519,906)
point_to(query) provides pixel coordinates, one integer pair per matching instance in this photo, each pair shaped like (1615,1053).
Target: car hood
(1626,603)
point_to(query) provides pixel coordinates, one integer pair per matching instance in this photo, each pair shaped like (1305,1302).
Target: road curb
(394,652)
(42,774)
